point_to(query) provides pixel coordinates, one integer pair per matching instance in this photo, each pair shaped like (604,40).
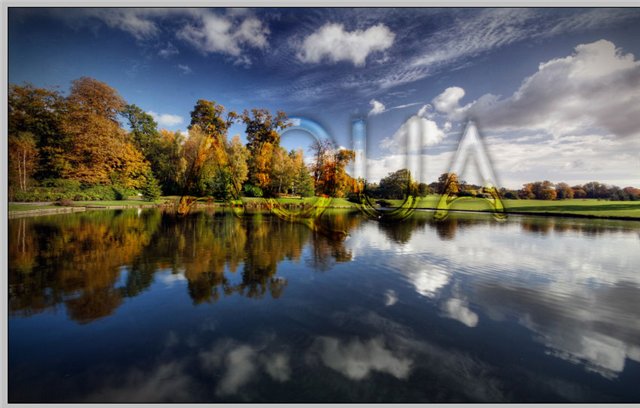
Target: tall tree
(39,112)
(397,185)
(238,167)
(100,153)
(23,157)
(263,139)
(448,183)
(144,129)
(564,192)
(302,179)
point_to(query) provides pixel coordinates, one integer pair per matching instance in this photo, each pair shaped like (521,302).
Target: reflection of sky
(578,293)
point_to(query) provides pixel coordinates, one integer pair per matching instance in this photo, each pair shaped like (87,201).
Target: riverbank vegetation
(92,145)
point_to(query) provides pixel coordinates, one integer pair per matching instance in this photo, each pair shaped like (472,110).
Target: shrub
(151,189)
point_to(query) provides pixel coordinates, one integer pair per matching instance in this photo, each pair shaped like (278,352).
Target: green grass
(580,207)
(17,207)
(114,203)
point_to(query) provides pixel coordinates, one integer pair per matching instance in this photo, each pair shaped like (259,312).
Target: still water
(146,306)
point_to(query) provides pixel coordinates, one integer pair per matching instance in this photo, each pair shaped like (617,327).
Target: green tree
(397,185)
(144,130)
(302,183)
(151,190)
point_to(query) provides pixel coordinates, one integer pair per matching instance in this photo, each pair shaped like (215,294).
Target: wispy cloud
(168,51)
(185,69)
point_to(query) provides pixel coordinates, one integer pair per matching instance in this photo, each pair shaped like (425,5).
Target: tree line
(399,184)
(92,144)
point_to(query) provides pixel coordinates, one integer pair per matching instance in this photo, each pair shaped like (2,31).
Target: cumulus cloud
(459,310)
(356,359)
(429,281)
(225,34)
(166,119)
(377,107)
(333,43)
(414,134)
(597,87)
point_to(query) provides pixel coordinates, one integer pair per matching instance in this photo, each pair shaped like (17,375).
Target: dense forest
(92,145)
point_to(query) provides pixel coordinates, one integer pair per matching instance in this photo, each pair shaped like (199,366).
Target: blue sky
(555,92)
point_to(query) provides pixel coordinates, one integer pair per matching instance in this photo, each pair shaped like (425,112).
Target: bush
(122,192)
(151,189)
(252,191)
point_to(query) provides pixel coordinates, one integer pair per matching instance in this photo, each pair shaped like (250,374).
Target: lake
(147,306)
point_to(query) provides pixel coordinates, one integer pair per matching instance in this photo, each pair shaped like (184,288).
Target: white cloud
(377,107)
(186,70)
(225,34)
(429,281)
(414,134)
(356,359)
(133,21)
(390,297)
(597,87)
(277,366)
(448,102)
(459,310)
(166,119)
(333,43)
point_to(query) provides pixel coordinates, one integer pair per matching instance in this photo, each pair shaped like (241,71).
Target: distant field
(582,207)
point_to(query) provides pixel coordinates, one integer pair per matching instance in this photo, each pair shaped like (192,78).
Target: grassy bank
(578,207)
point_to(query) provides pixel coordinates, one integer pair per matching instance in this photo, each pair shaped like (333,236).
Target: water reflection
(90,262)
(219,308)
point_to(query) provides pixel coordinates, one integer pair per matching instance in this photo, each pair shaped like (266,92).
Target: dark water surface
(146,306)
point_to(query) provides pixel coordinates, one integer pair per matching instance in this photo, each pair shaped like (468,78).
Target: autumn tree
(99,153)
(23,157)
(205,150)
(329,169)
(282,171)
(448,183)
(263,139)
(238,167)
(564,192)
(39,112)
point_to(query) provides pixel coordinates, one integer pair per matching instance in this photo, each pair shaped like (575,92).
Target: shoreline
(93,207)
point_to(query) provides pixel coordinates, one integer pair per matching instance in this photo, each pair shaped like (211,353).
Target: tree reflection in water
(90,262)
